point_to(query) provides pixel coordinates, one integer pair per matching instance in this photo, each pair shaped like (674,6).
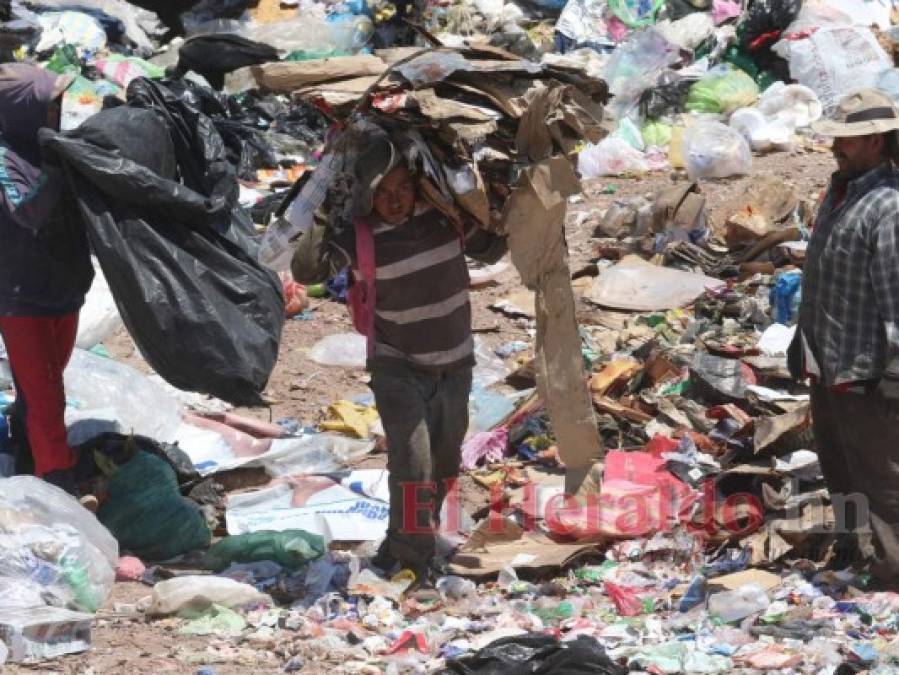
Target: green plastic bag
(722,90)
(147,514)
(656,133)
(291,549)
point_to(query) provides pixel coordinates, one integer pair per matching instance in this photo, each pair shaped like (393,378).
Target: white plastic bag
(52,550)
(689,32)
(174,595)
(792,104)
(99,318)
(716,151)
(612,156)
(345,350)
(833,62)
(761,132)
(137,405)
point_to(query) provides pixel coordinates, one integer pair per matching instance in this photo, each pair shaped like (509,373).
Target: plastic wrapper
(611,157)
(626,601)
(722,90)
(713,150)
(52,550)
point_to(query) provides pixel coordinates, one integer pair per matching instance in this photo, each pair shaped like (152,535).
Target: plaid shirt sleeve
(884,272)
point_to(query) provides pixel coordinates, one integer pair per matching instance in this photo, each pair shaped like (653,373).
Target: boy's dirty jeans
(425,417)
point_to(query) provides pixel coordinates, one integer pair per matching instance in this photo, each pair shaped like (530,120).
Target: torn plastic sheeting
(636,285)
(316,504)
(537,654)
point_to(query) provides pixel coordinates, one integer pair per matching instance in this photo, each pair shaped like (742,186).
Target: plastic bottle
(738,604)
(84,594)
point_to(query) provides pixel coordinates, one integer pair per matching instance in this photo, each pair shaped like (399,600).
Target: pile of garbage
(701,541)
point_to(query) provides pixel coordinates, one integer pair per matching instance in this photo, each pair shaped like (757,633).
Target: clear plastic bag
(714,150)
(345,350)
(611,157)
(722,90)
(52,550)
(139,405)
(196,592)
(635,67)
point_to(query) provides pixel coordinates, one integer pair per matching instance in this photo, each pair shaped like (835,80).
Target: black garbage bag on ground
(181,266)
(667,96)
(214,56)
(537,654)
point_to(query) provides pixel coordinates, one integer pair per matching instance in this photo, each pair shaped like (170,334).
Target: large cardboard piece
(534,219)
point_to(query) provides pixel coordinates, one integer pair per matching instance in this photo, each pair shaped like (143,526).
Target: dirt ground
(300,388)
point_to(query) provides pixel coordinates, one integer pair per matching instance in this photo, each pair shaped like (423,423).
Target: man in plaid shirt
(847,343)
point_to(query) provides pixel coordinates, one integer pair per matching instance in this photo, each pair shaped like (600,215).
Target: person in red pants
(45,267)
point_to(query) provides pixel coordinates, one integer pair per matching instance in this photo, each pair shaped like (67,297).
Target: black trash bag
(203,312)
(214,56)
(537,654)
(761,27)
(668,95)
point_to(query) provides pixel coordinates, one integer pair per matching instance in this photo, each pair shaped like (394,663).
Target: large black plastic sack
(203,312)
(213,56)
(537,654)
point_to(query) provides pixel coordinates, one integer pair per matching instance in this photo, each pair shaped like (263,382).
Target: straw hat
(864,112)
